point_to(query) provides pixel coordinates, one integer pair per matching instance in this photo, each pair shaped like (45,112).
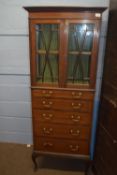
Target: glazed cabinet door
(82,53)
(45,52)
(64,52)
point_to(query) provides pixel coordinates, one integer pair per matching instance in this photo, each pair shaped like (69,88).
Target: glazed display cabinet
(63,63)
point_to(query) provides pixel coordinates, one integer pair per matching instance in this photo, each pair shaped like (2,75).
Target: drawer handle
(47,131)
(47,105)
(79,95)
(75,133)
(47,144)
(75,118)
(74,148)
(47,117)
(47,94)
(76,106)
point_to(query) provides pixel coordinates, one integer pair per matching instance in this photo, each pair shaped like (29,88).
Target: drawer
(76,105)
(61,146)
(61,131)
(56,93)
(53,116)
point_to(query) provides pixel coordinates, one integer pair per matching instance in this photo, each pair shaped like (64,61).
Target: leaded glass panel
(47,47)
(80,45)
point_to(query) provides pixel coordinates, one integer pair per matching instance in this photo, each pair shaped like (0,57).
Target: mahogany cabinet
(105,161)
(63,62)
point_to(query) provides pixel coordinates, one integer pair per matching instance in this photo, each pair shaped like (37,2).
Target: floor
(15,159)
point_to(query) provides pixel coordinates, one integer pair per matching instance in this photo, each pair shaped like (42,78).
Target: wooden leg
(34,157)
(94,170)
(88,170)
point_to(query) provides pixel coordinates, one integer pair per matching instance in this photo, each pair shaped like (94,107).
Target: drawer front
(72,94)
(52,116)
(78,105)
(61,146)
(61,131)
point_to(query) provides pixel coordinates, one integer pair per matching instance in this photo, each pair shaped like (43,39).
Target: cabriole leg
(34,157)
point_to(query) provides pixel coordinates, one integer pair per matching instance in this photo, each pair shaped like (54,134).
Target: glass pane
(79,52)
(47,44)
(78,71)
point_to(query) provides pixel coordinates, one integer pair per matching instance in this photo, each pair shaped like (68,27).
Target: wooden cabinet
(63,62)
(106,146)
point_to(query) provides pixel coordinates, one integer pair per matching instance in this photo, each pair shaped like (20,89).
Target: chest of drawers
(62,120)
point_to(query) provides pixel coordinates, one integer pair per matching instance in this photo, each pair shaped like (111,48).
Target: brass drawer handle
(47,144)
(47,105)
(75,133)
(77,95)
(78,106)
(74,148)
(47,117)
(75,118)
(47,130)
(47,94)
(50,92)
(43,102)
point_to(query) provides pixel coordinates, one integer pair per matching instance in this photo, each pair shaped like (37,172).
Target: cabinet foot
(88,170)
(34,159)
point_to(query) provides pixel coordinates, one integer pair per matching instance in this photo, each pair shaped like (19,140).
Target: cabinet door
(45,52)
(82,53)
(64,52)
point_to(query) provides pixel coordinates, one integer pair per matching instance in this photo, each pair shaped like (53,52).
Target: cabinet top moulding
(63,9)
(88,12)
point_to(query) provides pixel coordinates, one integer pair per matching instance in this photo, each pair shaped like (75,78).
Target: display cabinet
(63,61)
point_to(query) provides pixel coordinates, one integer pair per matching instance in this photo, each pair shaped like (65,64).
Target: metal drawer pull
(77,95)
(74,148)
(47,94)
(43,102)
(78,106)
(75,118)
(48,144)
(47,117)
(47,130)
(47,105)
(75,133)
